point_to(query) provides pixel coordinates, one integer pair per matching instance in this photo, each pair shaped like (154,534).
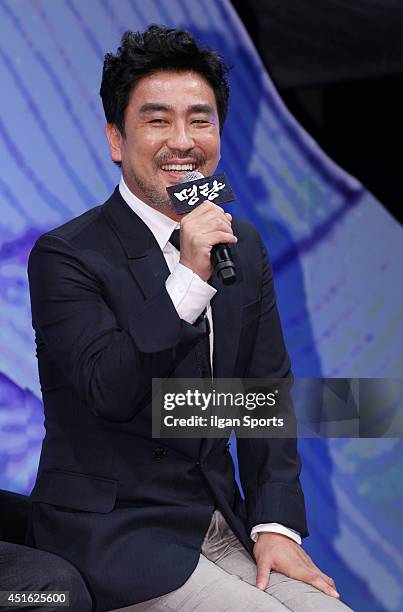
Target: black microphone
(220,255)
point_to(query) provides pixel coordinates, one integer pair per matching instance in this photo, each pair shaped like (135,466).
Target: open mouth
(177,168)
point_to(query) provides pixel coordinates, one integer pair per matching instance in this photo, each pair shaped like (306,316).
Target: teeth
(178,167)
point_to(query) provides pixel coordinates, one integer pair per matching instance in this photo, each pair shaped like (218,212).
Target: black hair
(158,48)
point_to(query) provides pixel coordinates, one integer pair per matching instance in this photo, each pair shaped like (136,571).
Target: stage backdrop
(336,252)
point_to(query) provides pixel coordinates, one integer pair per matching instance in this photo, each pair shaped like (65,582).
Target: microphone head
(192,176)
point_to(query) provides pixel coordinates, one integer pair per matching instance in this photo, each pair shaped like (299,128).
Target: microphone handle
(223,264)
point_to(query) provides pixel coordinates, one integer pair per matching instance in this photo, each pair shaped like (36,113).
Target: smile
(178,167)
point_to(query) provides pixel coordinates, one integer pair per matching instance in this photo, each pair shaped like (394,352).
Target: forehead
(177,89)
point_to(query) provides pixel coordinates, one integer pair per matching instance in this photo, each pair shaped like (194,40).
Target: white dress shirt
(190,296)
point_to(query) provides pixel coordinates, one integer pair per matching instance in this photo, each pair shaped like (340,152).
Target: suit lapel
(149,270)
(145,258)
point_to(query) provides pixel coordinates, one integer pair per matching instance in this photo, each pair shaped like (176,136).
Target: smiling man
(171,127)
(162,526)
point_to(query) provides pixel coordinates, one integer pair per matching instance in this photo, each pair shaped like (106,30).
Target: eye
(158,121)
(201,121)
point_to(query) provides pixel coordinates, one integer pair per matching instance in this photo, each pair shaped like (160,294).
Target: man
(114,304)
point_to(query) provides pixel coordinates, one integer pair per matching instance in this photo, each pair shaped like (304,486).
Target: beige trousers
(224,581)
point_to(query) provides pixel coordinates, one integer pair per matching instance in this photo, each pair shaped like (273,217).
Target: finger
(213,225)
(202,234)
(213,206)
(200,210)
(219,220)
(316,569)
(220,237)
(207,206)
(217,213)
(318,582)
(208,217)
(263,576)
(308,561)
(329,580)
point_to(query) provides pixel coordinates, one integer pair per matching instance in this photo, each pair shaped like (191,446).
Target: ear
(114,138)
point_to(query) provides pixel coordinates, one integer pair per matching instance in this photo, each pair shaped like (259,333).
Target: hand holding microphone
(201,230)
(206,230)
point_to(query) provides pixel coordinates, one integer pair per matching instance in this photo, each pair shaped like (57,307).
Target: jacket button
(158,453)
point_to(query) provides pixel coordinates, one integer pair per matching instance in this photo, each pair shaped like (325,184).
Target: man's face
(171,128)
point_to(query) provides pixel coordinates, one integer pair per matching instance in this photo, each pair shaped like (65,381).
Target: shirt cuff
(275,528)
(189,293)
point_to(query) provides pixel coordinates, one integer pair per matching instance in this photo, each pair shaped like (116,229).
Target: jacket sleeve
(71,317)
(270,467)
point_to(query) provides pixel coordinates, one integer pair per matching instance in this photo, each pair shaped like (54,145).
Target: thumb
(263,575)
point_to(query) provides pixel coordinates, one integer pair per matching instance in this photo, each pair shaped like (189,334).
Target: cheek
(215,141)
(212,148)
(210,143)
(152,141)
(144,145)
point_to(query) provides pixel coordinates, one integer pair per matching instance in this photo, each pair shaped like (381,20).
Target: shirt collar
(160,225)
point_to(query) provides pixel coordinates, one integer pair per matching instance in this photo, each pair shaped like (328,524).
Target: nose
(180,137)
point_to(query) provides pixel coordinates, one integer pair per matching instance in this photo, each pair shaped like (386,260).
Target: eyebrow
(201,108)
(151,107)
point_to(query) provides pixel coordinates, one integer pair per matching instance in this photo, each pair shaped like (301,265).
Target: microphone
(220,255)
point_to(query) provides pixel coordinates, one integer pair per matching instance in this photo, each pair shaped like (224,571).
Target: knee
(28,569)
(63,576)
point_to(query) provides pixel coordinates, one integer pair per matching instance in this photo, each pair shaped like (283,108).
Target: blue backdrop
(336,253)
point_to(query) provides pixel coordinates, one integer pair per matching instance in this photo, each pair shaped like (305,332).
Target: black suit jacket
(129,511)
